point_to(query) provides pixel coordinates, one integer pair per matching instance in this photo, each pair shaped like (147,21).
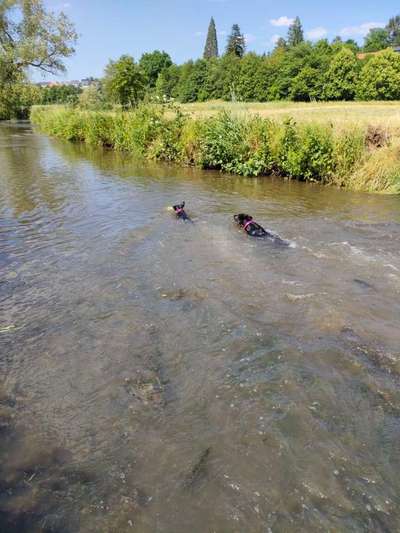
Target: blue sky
(109,28)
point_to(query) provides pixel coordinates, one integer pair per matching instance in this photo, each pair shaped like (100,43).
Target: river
(157,376)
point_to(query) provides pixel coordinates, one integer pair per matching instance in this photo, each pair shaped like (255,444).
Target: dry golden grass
(384,114)
(380,171)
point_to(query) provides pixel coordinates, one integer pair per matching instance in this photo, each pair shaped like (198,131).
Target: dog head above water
(179,207)
(242,219)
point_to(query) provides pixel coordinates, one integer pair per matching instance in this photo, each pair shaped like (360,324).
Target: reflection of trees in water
(25,185)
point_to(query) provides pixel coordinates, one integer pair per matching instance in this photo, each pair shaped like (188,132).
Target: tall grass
(247,145)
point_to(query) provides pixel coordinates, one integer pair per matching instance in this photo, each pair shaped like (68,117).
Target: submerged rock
(199,470)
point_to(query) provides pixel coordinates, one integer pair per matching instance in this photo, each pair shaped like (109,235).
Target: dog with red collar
(180,212)
(253,229)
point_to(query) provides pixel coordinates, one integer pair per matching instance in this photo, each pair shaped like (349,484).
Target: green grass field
(385,114)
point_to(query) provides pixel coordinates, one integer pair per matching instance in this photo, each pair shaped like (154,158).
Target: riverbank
(354,156)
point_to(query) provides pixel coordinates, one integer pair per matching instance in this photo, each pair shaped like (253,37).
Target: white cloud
(282,21)
(222,33)
(317,33)
(275,38)
(249,38)
(199,34)
(361,30)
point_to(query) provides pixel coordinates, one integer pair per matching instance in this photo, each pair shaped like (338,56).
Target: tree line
(296,69)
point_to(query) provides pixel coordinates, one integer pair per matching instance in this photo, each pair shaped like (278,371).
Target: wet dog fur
(253,229)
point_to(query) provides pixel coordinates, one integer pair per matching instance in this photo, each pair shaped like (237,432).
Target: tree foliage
(16,100)
(31,37)
(124,82)
(380,77)
(60,94)
(295,33)
(211,46)
(167,82)
(377,39)
(236,44)
(153,64)
(393,29)
(342,75)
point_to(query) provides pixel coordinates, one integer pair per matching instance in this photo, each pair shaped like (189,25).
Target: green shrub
(98,129)
(349,148)
(221,142)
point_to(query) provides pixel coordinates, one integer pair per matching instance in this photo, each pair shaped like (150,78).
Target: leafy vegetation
(236,44)
(30,38)
(249,146)
(124,82)
(380,77)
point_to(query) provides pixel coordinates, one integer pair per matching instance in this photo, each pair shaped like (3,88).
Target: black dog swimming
(180,212)
(255,230)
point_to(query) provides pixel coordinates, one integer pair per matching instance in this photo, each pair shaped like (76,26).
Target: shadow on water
(157,376)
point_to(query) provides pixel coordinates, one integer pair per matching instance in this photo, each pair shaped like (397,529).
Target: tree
(230,74)
(236,43)
(211,47)
(152,64)
(192,88)
(380,77)
(342,76)
(288,66)
(352,45)
(306,85)
(295,33)
(393,29)
(167,82)
(31,37)
(16,100)
(60,94)
(281,44)
(377,39)
(248,84)
(124,82)
(213,83)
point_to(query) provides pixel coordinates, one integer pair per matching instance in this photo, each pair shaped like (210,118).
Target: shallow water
(162,376)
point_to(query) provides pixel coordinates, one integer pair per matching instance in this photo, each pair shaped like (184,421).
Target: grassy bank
(355,156)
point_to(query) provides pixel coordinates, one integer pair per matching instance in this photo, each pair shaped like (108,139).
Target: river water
(157,376)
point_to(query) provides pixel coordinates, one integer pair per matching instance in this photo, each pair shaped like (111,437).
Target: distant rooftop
(85,82)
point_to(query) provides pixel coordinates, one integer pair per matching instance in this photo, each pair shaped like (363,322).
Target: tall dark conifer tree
(211,47)
(236,43)
(393,28)
(295,33)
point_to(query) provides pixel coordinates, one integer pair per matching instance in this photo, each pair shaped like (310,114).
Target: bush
(349,148)
(306,153)
(221,142)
